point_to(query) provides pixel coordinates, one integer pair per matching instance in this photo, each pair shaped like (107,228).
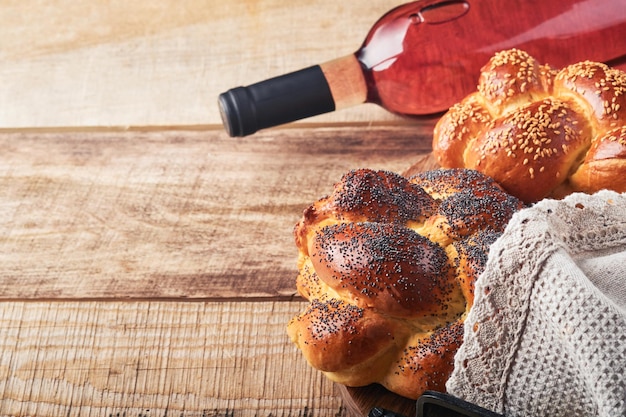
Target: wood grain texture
(146,63)
(150,272)
(174,214)
(156,359)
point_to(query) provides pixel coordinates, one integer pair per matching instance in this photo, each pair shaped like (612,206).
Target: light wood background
(147,266)
(145,63)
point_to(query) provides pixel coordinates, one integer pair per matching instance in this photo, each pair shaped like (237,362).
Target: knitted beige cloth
(547,333)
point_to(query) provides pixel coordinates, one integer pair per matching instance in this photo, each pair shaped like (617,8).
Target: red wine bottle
(422,57)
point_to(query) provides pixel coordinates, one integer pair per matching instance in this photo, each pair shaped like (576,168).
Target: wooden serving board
(360,400)
(425,163)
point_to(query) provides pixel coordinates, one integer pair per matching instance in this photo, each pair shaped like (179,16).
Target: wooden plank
(156,359)
(146,63)
(176,214)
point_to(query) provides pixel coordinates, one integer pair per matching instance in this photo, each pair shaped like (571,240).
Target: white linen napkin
(546,335)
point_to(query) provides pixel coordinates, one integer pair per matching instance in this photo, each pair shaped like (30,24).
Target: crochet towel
(546,335)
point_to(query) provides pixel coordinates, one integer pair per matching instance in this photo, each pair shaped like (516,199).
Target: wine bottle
(423,56)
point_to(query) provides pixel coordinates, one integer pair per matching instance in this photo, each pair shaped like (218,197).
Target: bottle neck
(346,81)
(309,92)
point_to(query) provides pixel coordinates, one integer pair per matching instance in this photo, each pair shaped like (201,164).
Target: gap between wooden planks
(155,359)
(173,215)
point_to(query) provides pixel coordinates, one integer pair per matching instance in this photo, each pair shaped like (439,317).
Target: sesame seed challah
(538,131)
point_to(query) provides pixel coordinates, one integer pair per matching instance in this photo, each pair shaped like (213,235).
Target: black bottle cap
(276,101)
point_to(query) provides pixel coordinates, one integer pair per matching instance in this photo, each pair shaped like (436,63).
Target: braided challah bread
(537,131)
(388,265)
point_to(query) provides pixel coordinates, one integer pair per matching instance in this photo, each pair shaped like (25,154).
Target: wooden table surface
(147,264)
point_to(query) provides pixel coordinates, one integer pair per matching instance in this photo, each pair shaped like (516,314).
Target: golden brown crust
(469,201)
(464,121)
(389,266)
(443,183)
(598,89)
(510,78)
(531,151)
(365,195)
(385,267)
(470,258)
(604,165)
(536,125)
(427,361)
(352,334)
